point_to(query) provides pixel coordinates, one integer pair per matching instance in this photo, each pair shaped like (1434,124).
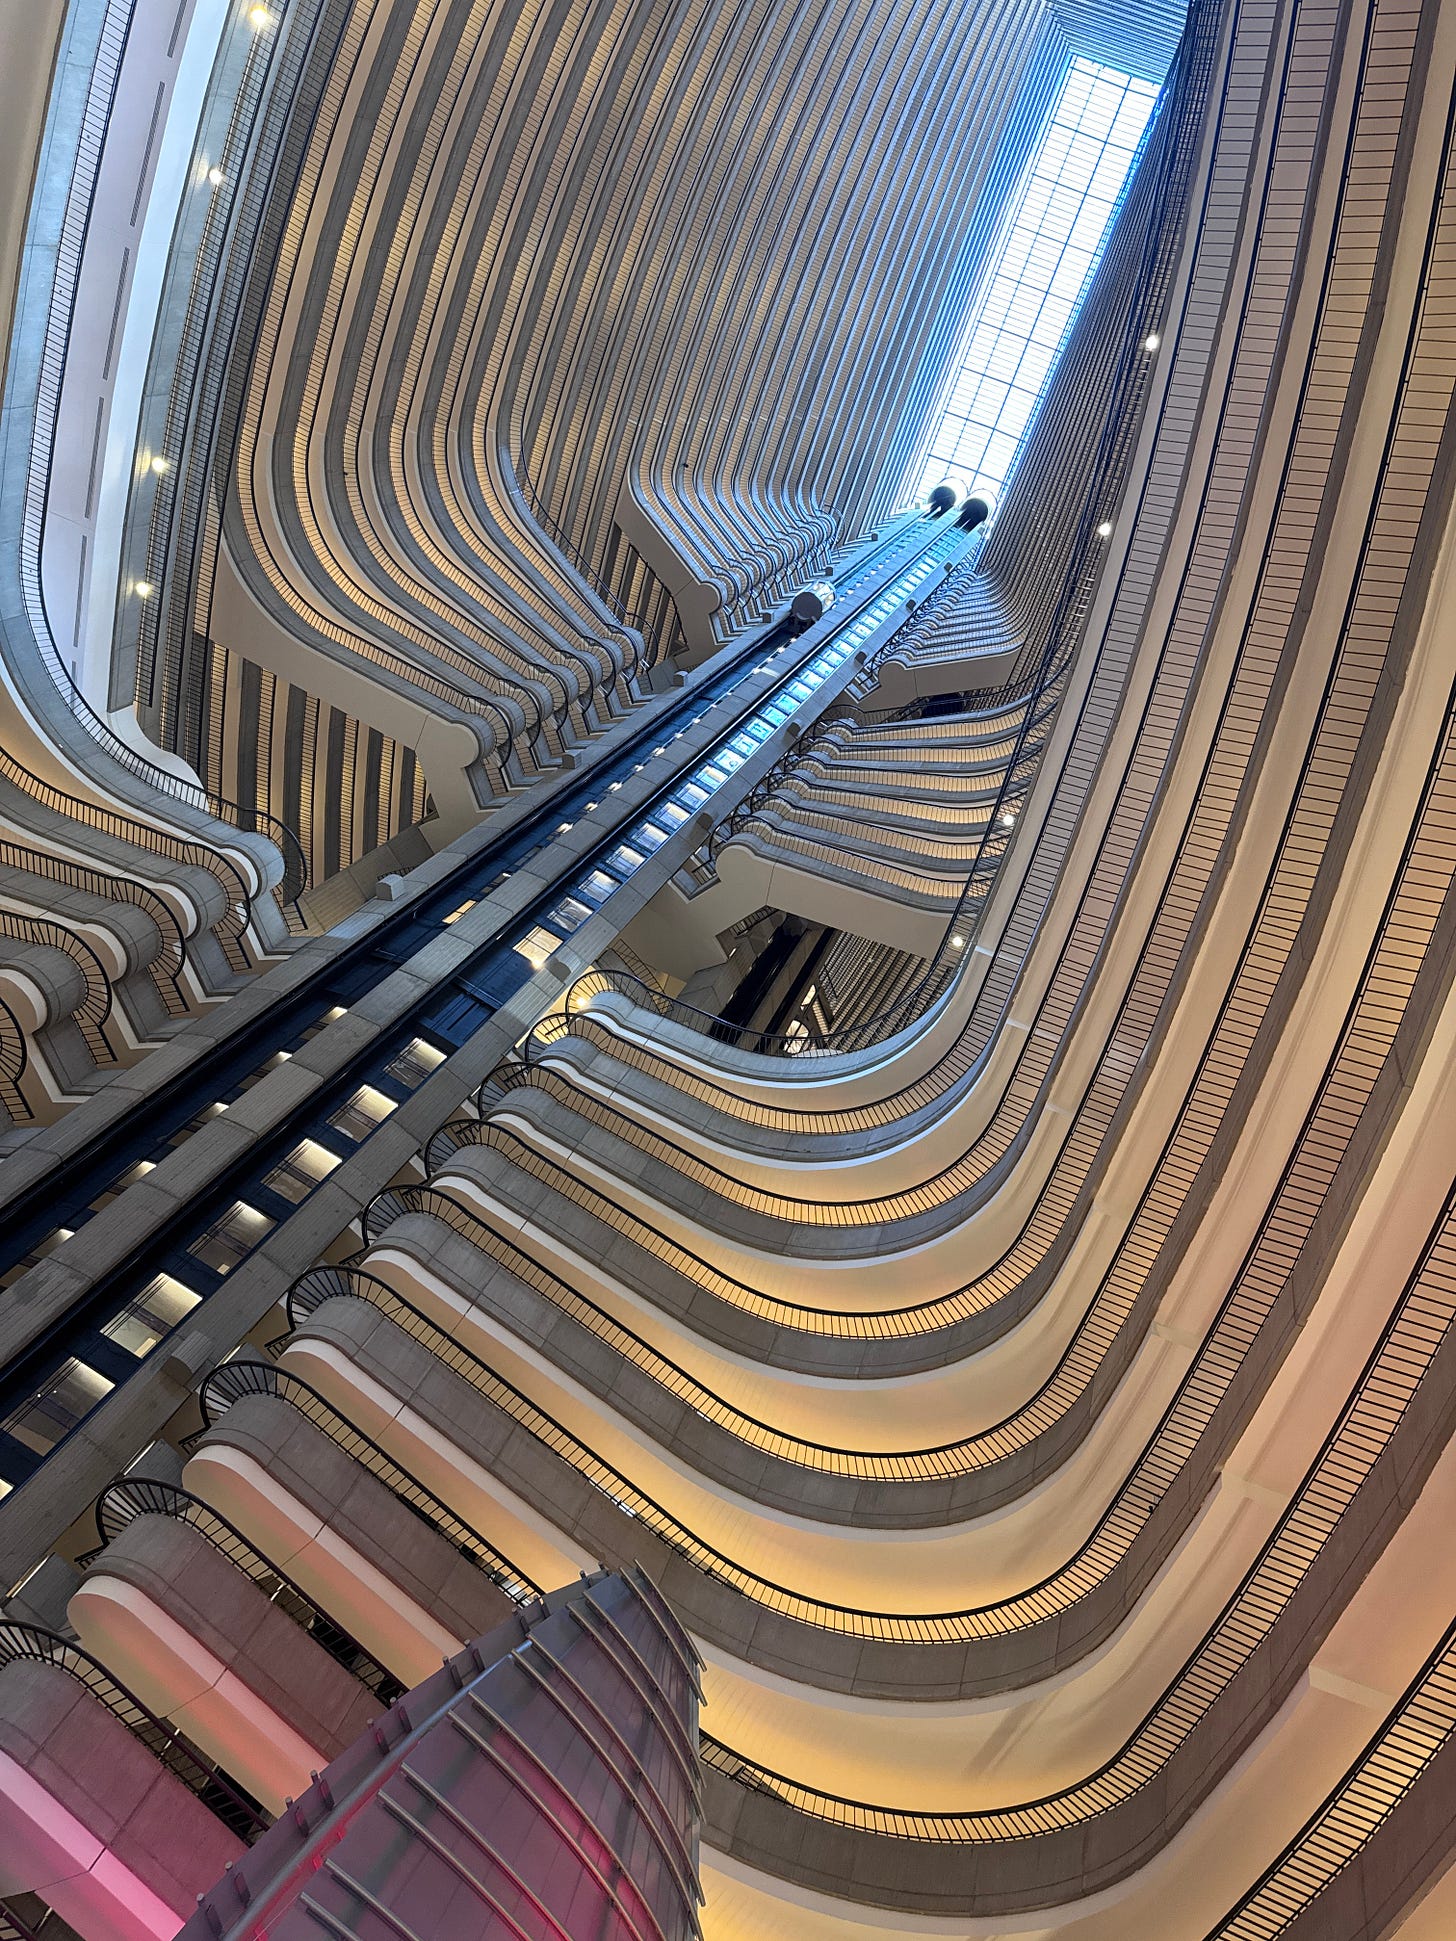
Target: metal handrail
(1129,381)
(130,1497)
(199,1774)
(774,779)
(233,1381)
(633,962)
(95,1007)
(1395,1760)
(627,621)
(497,1082)
(1367,1425)
(445,1140)
(992,844)
(163,970)
(1394,1373)
(229,928)
(1365,1047)
(14,1058)
(50,378)
(936,1462)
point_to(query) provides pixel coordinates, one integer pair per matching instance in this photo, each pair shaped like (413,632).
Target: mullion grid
(1061,213)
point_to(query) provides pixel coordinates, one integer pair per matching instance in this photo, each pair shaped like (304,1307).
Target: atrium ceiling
(1031,1394)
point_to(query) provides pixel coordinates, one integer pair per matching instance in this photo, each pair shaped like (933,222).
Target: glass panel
(301,1172)
(1056,223)
(232,1239)
(39,1252)
(195,1124)
(413,1065)
(363,1113)
(73,1391)
(536,946)
(153,1314)
(569,914)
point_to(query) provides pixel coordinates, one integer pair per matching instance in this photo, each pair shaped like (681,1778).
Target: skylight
(1038,270)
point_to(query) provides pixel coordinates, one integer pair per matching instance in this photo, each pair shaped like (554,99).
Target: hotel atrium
(727,927)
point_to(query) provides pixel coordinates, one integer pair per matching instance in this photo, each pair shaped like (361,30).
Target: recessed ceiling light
(144,589)
(160,465)
(1152,340)
(1104,531)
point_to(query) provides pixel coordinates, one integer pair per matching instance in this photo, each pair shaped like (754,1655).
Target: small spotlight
(215,175)
(259,18)
(1008,820)
(160,465)
(144,589)
(958,943)
(1104,531)
(1152,340)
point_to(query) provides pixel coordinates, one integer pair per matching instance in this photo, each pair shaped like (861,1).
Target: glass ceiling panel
(1038,271)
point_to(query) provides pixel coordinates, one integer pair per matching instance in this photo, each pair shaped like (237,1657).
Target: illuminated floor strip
(668,815)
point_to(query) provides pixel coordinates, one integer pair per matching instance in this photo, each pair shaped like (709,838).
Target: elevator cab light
(811,603)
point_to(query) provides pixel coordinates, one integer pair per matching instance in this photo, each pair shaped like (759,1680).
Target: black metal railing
(130,1497)
(627,622)
(232,1381)
(50,379)
(95,1006)
(199,1774)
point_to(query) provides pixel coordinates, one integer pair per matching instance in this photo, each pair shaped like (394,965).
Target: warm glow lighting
(160,466)
(536,946)
(1104,531)
(1008,818)
(144,589)
(259,18)
(215,176)
(958,943)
